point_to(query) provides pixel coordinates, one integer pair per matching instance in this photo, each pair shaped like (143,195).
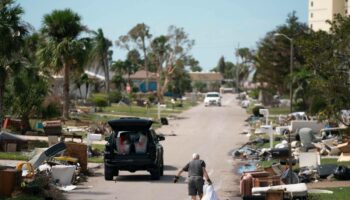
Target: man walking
(196,170)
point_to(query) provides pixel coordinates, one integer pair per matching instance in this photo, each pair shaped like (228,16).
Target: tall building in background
(322,10)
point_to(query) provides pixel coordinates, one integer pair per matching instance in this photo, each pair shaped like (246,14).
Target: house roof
(206,76)
(9,137)
(141,75)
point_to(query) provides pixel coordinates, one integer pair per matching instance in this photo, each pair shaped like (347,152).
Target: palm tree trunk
(2,91)
(66,98)
(106,67)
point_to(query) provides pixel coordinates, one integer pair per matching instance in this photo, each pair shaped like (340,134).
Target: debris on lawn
(281,158)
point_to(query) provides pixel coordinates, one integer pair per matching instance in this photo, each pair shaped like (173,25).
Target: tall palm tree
(63,49)
(12,32)
(100,54)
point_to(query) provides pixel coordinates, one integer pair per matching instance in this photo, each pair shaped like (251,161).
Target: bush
(254,93)
(151,98)
(256,111)
(51,107)
(99,100)
(115,97)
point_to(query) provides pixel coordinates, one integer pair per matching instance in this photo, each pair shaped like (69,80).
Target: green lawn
(13,156)
(96,159)
(333,161)
(279,111)
(118,110)
(341,193)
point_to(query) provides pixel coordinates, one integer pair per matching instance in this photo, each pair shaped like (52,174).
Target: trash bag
(342,173)
(209,193)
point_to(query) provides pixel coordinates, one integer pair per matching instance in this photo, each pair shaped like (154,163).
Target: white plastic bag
(209,193)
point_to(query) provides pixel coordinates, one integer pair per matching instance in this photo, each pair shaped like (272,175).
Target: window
(346,11)
(312,3)
(311,15)
(310,26)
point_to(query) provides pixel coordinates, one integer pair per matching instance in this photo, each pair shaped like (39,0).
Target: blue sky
(217,26)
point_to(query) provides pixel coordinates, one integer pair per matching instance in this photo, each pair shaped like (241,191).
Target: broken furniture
(252,179)
(79,151)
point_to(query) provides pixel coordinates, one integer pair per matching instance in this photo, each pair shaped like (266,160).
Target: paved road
(213,132)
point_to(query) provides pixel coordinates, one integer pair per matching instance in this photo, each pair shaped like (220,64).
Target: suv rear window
(131,142)
(212,95)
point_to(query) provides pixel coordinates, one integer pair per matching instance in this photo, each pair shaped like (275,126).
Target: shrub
(99,100)
(51,107)
(115,97)
(254,93)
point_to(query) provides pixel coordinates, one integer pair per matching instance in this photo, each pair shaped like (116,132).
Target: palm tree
(63,51)
(12,32)
(100,54)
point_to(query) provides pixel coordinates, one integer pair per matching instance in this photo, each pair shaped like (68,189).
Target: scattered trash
(67,188)
(342,173)
(63,174)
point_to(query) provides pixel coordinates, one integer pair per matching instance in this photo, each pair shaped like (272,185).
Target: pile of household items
(295,141)
(62,164)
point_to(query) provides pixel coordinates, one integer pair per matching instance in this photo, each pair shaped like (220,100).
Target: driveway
(213,132)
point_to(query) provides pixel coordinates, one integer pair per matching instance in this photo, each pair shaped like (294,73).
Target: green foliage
(200,86)
(115,97)
(272,58)
(51,108)
(327,57)
(28,92)
(100,100)
(254,93)
(63,50)
(221,66)
(12,33)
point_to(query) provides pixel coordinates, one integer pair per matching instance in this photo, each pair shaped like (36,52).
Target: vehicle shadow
(147,178)
(169,168)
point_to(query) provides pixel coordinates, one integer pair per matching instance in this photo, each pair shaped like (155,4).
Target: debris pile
(283,157)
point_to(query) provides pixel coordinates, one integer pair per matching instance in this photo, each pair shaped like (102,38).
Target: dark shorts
(195,185)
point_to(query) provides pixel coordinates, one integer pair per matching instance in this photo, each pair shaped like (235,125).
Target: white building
(322,10)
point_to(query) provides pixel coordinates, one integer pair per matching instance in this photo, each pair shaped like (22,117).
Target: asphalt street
(213,132)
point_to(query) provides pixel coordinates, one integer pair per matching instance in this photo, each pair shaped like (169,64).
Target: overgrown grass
(13,156)
(279,111)
(99,147)
(340,193)
(96,159)
(333,161)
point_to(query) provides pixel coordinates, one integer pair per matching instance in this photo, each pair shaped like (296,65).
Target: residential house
(212,80)
(139,80)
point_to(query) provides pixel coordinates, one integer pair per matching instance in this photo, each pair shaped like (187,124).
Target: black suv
(133,146)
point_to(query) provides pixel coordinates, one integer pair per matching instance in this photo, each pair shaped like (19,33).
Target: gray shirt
(194,168)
